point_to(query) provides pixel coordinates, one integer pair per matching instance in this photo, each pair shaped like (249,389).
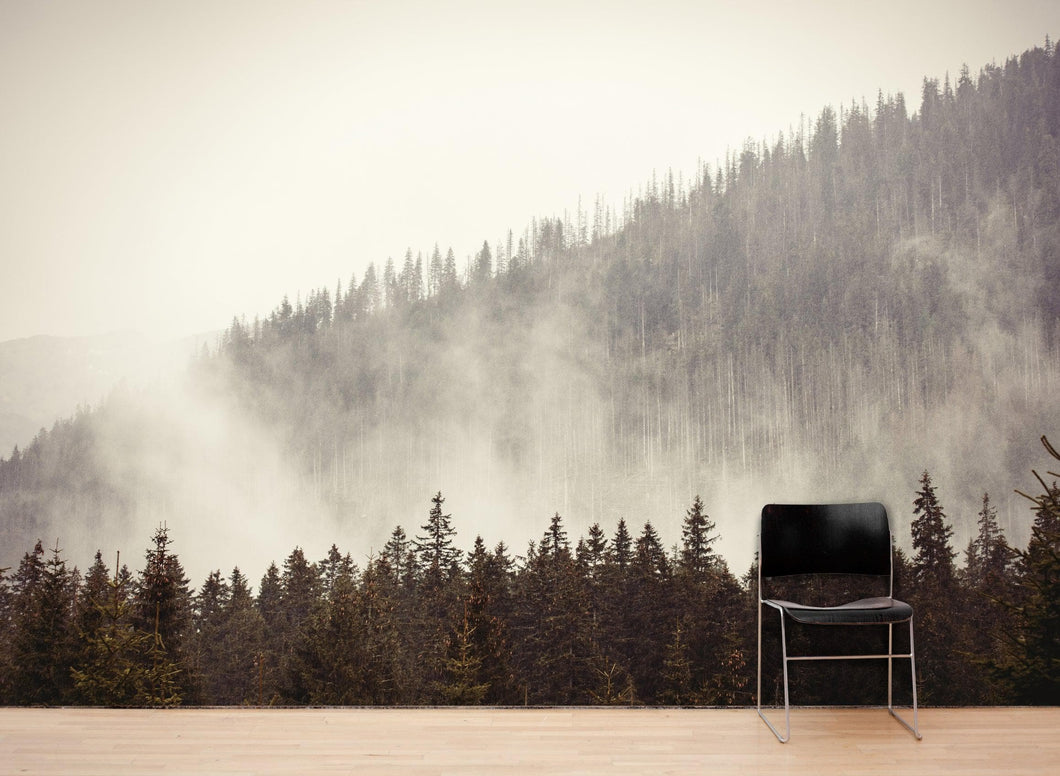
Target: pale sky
(167,165)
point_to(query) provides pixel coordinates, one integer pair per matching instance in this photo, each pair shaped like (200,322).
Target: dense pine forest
(828,314)
(608,619)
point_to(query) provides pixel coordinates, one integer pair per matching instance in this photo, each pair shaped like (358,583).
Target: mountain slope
(825,316)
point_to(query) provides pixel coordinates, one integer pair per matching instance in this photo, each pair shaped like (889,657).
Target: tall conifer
(933,556)
(1032,665)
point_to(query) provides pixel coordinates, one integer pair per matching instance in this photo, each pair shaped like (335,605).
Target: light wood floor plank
(469,742)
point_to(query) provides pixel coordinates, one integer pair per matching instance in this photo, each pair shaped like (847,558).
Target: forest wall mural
(540,469)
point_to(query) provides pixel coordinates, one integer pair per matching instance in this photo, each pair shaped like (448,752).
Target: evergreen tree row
(616,619)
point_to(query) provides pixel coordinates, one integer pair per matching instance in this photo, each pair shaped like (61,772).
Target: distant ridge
(44,378)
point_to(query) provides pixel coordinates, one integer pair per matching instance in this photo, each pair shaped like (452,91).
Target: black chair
(848,539)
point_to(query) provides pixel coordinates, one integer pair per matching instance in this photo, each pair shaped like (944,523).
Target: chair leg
(915,727)
(784,653)
(890,665)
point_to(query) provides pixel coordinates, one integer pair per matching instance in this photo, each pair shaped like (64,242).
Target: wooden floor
(523,741)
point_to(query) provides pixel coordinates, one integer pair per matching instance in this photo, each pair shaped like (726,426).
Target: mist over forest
(822,315)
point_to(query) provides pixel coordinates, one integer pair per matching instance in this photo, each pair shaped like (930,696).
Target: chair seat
(866,611)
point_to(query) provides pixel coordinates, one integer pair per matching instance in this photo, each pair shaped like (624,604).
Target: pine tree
(594,553)
(29,573)
(370,294)
(614,636)
(697,555)
(270,596)
(300,592)
(390,284)
(300,600)
(650,557)
(553,628)
(989,558)
(409,280)
(269,603)
(483,270)
(44,648)
(650,612)
(388,671)
(112,669)
(327,656)
(163,609)
(434,273)
(239,672)
(440,592)
(554,544)
(211,613)
(988,581)
(450,281)
(709,604)
(943,637)
(933,557)
(399,558)
(437,557)
(392,587)
(94,589)
(482,635)
(621,546)
(333,567)
(1032,663)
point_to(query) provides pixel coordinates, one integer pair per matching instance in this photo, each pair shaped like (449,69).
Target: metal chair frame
(890,656)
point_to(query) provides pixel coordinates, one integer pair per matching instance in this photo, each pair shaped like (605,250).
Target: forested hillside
(823,315)
(863,307)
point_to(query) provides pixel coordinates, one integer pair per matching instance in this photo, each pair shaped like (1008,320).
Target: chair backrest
(824,539)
